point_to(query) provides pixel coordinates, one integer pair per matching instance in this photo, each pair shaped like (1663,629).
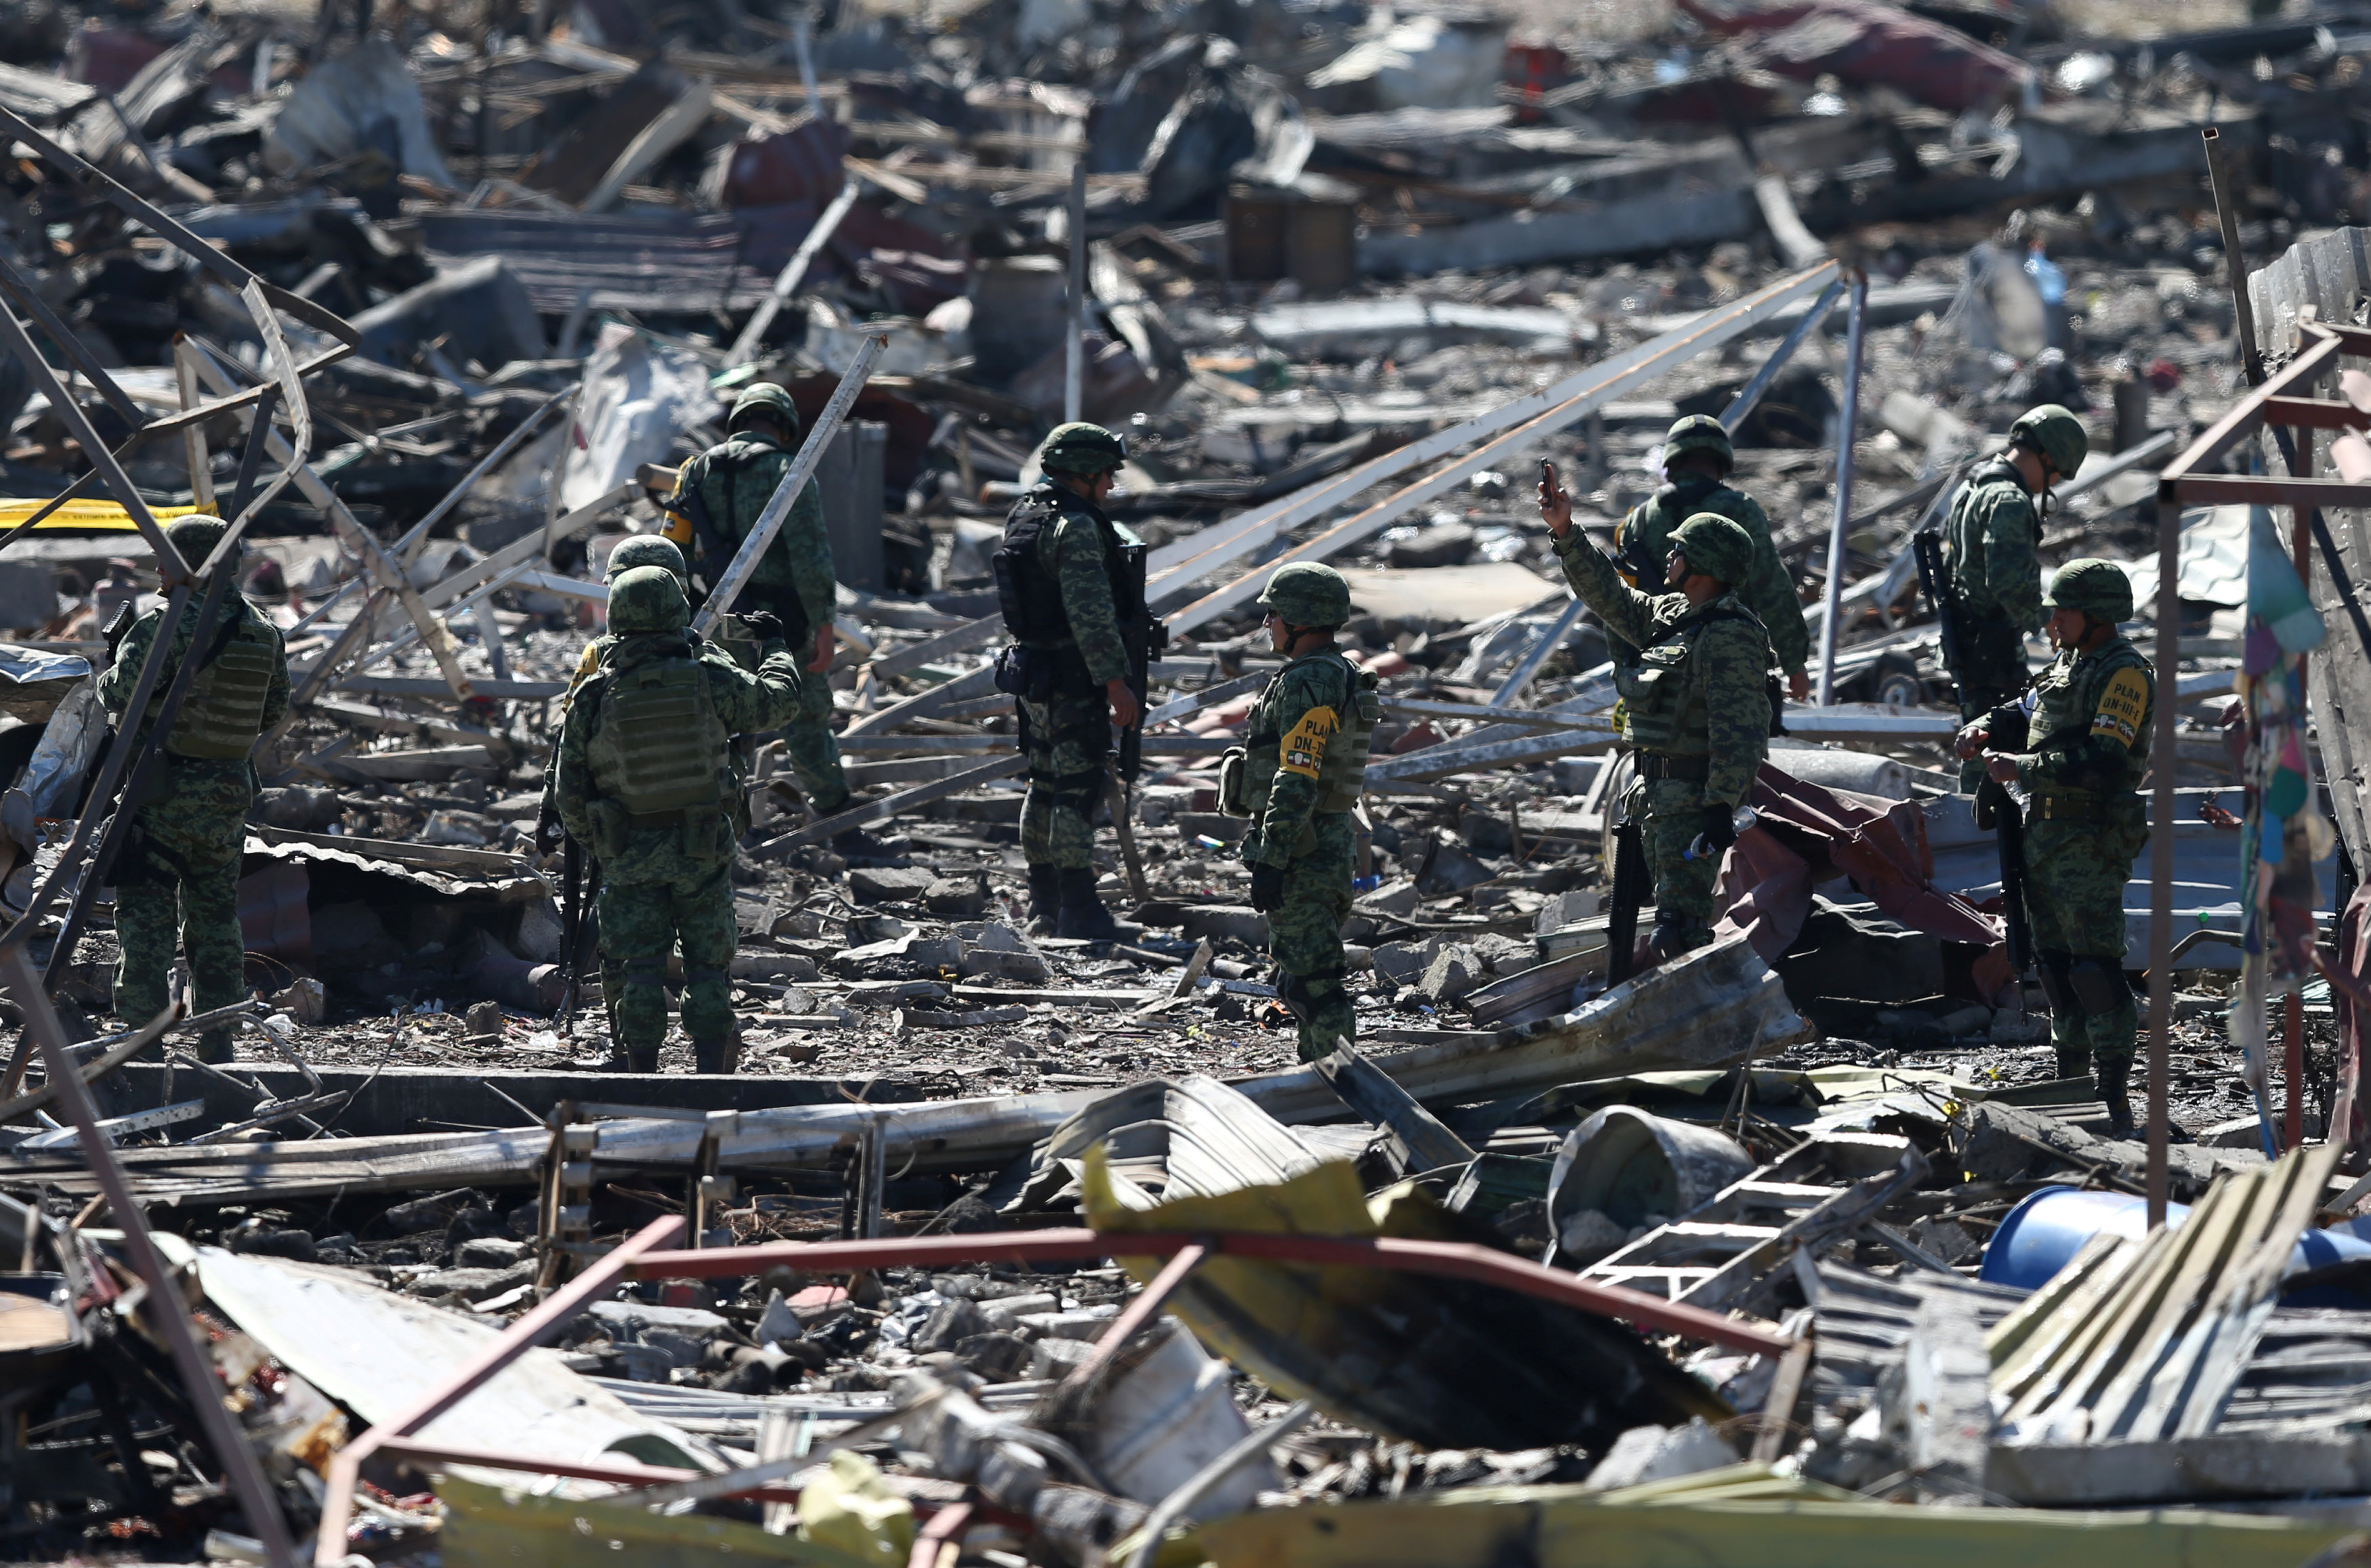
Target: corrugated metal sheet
(630,261)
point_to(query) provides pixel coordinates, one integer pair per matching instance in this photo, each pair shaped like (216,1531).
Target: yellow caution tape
(85,516)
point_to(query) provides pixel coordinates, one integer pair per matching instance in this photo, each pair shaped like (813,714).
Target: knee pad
(2099,989)
(1299,993)
(2055,987)
(705,973)
(1079,791)
(645,971)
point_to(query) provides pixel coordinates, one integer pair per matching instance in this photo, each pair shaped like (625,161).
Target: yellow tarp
(85,516)
(496,1526)
(1740,1517)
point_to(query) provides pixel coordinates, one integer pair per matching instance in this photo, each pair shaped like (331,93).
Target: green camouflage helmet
(1714,546)
(764,399)
(645,549)
(1082,448)
(648,598)
(1700,433)
(1305,593)
(2054,431)
(2098,588)
(196,537)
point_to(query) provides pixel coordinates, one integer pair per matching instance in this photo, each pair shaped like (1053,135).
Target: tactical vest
(1345,767)
(1960,544)
(2066,699)
(1639,553)
(661,751)
(1664,711)
(222,712)
(1027,591)
(713,505)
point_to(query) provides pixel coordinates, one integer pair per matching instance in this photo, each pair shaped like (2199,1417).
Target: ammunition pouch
(1041,675)
(612,825)
(2099,989)
(1234,799)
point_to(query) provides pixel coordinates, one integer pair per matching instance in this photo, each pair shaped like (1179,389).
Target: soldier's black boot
(715,1056)
(1045,899)
(1083,917)
(2073,1064)
(2113,1079)
(1673,935)
(642,1060)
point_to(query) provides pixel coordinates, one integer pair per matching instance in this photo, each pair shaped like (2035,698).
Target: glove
(1267,888)
(1720,831)
(763,625)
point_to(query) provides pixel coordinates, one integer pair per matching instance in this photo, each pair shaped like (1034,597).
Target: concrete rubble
(1794,1250)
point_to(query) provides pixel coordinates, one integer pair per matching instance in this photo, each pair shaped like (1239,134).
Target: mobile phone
(1548,474)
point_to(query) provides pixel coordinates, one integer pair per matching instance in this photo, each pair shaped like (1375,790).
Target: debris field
(1000,1248)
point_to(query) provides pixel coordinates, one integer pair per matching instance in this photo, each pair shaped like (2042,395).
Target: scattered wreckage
(1003,1248)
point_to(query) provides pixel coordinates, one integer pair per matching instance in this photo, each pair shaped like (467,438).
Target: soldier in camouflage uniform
(645,780)
(717,500)
(1697,458)
(1989,545)
(181,862)
(2078,744)
(1071,592)
(1696,706)
(643,549)
(1304,757)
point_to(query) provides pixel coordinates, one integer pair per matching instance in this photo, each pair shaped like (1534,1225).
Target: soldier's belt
(1691,769)
(2071,807)
(666,819)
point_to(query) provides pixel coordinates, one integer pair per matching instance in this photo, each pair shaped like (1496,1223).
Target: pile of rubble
(1002,1248)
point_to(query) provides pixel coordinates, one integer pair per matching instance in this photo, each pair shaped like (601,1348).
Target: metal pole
(1845,421)
(2163,760)
(1751,393)
(2235,262)
(1074,364)
(167,1320)
(2293,1009)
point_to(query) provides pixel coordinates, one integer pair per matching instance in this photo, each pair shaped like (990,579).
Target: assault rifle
(1631,883)
(580,885)
(1927,548)
(2001,812)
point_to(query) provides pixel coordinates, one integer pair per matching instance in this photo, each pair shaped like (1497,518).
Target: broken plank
(890,805)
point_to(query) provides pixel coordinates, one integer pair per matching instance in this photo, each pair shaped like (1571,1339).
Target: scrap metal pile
(1005,1248)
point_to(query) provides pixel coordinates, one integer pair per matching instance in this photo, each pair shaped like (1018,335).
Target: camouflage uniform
(2081,741)
(1304,758)
(1067,737)
(794,579)
(1989,544)
(666,874)
(1071,583)
(1697,710)
(644,549)
(189,833)
(1644,539)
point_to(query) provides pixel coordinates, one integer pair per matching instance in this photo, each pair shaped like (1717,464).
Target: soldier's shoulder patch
(2122,707)
(1302,750)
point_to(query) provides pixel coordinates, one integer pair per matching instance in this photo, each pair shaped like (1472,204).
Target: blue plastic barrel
(2042,1234)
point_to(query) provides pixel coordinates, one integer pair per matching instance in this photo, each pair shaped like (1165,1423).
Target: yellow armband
(1302,750)
(2122,707)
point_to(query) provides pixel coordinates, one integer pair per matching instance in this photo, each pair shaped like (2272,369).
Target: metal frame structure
(2283,401)
(641,1258)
